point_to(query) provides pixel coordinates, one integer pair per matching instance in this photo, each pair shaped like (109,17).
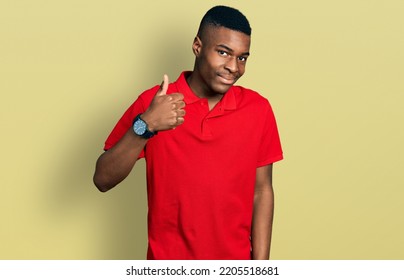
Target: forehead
(235,40)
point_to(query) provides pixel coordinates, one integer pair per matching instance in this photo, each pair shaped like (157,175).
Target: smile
(228,80)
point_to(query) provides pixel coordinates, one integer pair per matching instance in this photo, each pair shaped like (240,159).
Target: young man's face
(221,56)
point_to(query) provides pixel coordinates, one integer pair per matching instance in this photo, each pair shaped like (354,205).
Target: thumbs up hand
(166,111)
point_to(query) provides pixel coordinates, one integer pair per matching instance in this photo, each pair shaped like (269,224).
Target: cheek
(213,60)
(211,63)
(241,69)
(210,69)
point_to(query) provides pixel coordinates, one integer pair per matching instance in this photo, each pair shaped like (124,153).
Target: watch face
(139,127)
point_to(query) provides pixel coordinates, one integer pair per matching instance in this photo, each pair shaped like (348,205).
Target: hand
(166,111)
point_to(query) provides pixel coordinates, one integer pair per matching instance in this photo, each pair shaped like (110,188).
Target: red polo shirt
(201,176)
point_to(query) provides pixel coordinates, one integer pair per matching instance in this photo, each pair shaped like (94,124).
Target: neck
(198,88)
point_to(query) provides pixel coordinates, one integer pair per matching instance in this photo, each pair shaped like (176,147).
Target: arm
(114,165)
(262,214)
(165,112)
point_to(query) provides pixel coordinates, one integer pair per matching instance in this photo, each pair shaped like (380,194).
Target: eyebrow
(230,50)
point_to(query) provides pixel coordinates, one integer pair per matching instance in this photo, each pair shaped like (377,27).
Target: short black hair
(226,17)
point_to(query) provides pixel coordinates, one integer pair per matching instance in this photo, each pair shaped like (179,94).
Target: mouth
(226,79)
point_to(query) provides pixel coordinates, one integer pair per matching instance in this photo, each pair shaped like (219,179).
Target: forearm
(262,223)
(114,165)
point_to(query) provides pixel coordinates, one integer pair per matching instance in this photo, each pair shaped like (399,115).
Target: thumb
(163,86)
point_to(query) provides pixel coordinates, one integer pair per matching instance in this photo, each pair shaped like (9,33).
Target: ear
(197,46)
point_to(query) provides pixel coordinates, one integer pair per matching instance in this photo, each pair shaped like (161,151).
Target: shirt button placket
(206,131)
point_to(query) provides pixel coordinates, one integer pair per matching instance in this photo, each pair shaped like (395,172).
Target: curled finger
(180,104)
(180,112)
(180,120)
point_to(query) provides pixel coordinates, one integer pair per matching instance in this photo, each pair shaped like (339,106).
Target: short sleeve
(270,149)
(124,124)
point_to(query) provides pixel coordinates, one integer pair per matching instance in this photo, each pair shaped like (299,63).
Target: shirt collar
(228,101)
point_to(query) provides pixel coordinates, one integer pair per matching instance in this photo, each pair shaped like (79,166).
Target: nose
(231,65)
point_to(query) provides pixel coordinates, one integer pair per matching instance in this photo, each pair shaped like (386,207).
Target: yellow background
(333,71)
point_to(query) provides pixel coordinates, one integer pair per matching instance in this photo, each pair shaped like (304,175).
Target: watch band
(147,134)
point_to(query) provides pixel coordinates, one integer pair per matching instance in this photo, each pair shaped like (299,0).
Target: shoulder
(147,95)
(246,96)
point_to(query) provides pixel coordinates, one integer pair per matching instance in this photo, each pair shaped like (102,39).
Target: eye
(222,53)
(242,58)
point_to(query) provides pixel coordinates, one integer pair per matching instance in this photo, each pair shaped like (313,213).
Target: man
(209,148)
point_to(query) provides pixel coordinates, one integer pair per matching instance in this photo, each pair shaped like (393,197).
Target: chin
(221,88)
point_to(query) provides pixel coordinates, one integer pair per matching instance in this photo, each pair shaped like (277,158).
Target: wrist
(141,128)
(150,124)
